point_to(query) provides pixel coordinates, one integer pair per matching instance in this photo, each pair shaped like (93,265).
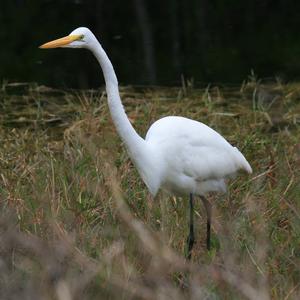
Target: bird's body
(179,155)
(192,157)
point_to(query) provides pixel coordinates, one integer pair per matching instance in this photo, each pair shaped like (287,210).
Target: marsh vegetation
(77,222)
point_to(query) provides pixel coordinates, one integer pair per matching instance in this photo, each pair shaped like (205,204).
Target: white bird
(178,155)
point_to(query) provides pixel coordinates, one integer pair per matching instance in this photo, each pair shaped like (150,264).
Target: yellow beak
(61,42)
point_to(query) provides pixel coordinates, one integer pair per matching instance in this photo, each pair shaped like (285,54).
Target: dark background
(152,42)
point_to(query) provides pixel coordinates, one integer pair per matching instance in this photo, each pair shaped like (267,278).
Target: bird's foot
(190,243)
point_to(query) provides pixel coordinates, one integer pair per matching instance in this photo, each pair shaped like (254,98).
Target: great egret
(178,155)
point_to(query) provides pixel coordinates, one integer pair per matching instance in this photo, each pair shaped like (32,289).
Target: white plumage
(193,158)
(179,155)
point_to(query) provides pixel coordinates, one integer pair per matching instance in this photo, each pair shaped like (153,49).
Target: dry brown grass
(78,223)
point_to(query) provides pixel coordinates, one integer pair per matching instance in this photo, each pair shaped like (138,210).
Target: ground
(77,222)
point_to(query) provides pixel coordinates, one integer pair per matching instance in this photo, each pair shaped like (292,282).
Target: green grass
(77,222)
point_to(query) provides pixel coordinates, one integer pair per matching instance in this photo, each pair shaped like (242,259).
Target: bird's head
(81,37)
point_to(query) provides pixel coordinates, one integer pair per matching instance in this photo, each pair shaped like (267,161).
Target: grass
(77,222)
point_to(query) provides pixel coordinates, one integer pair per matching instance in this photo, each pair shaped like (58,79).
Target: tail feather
(242,161)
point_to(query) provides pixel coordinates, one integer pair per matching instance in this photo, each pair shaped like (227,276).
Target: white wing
(193,149)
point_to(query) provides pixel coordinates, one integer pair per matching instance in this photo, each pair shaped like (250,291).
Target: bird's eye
(81,37)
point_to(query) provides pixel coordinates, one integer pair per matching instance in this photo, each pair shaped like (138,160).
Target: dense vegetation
(78,223)
(152,41)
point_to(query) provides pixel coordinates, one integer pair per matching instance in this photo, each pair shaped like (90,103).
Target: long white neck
(124,128)
(142,154)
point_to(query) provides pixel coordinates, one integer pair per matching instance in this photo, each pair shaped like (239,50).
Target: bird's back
(195,158)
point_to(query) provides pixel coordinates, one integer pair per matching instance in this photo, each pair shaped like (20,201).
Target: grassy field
(77,222)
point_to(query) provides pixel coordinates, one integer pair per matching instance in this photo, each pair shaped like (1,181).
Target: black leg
(191,237)
(208,212)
